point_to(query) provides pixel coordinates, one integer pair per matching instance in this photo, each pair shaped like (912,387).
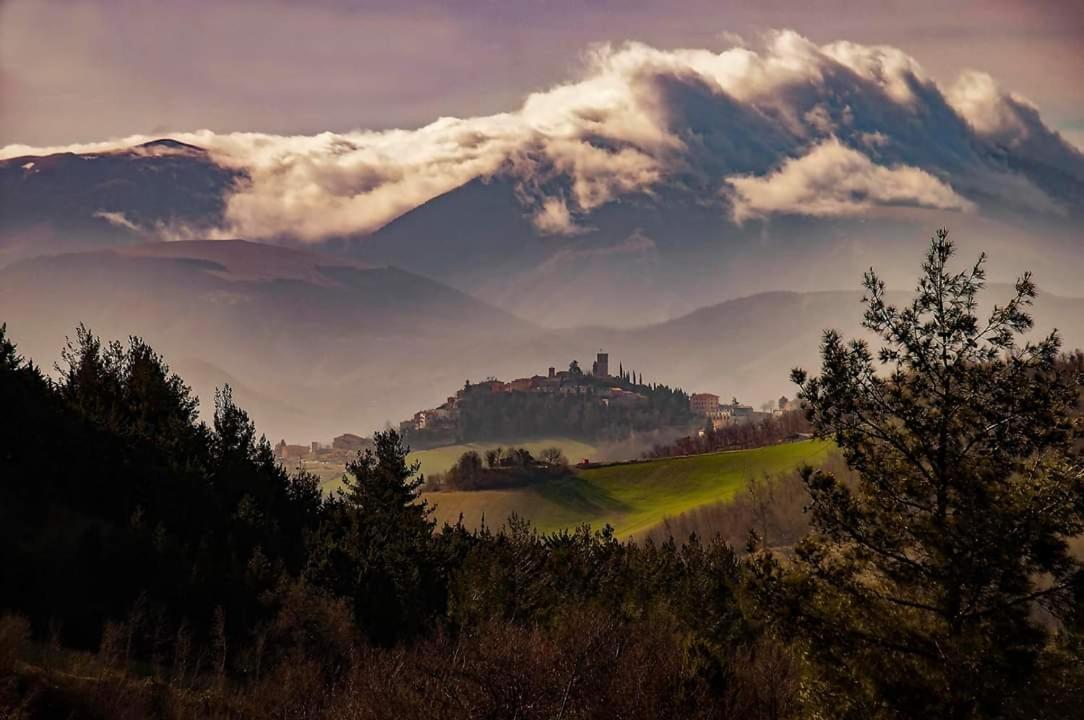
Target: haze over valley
(317,344)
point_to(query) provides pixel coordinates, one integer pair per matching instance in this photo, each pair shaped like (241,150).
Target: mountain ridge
(325,349)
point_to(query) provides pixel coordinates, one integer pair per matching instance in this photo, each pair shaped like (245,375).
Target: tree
(468,469)
(916,591)
(376,545)
(554,456)
(574,368)
(761,494)
(521,457)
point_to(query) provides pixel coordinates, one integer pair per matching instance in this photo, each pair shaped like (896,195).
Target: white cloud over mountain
(790,127)
(834,180)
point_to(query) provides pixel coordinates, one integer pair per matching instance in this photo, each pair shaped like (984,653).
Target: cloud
(553,218)
(835,180)
(787,127)
(1006,118)
(1011,121)
(116,218)
(892,69)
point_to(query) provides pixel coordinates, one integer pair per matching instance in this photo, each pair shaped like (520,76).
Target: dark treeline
(183,553)
(111,489)
(155,566)
(738,436)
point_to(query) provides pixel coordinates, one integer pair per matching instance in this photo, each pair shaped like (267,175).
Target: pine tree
(917,591)
(376,545)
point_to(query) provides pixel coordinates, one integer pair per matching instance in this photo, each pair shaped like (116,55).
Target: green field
(630,497)
(437,460)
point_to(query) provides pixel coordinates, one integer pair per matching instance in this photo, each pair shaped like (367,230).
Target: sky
(83,70)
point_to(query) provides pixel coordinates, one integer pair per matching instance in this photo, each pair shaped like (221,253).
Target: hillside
(747,347)
(71,202)
(321,344)
(318,344)
(630,497)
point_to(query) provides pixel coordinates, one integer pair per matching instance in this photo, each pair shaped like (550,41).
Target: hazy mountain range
(317,344)
(695,213)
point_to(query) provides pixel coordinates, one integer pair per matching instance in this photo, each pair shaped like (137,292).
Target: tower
(601,368)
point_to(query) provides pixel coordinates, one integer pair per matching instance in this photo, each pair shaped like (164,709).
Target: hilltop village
(623,389)
(599,384)
(594,403)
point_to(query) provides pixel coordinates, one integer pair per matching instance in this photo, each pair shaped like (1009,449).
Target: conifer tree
(917,590)
(376,544)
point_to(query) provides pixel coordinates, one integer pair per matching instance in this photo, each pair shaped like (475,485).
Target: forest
(153,565)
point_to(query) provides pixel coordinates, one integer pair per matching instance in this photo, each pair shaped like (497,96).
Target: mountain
(315,344)
(642,258)
(643,207)
(479,238)
(75,201)
(650,184)
(646,259)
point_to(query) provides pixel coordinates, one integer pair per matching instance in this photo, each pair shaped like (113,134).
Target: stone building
(703,403)
(601,366)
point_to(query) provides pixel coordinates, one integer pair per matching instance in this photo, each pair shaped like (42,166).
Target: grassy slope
(630,497)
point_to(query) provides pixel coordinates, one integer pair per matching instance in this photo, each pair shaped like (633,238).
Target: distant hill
(747,347)
(317,344)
